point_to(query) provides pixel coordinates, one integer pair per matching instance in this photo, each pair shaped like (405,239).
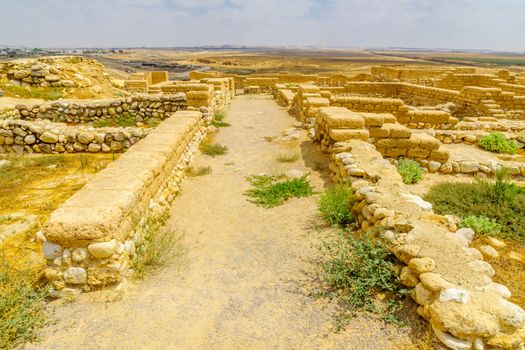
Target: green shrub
(213,149)
(500,201)
(410,171)
(355,271)
(22,306)
(481,224)
(218,121)
(268,192)
(497,142)
(335,204)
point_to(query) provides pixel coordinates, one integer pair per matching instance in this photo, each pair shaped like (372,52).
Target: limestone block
(348,134)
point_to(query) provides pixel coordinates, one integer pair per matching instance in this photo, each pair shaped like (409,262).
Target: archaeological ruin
(363,124)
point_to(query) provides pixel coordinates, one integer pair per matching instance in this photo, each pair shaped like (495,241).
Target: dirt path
(240,283)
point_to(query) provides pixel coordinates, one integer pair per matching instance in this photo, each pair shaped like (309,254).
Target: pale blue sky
(471,24)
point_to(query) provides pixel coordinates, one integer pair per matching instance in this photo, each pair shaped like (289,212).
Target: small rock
(467,233)
(422,295)
(510,314)
(30,139)
(422,265)
(452,342)
(406,252)
(40,236)
(79,254)
(417,200)
(468,166)
(49,137)
(51,250)
(496,243)
(408,278)
(85,137)
(75,275)
(498,288)
(454,294)
(433,166)
(434,281)
(482,267)
(489,251)
(103,249)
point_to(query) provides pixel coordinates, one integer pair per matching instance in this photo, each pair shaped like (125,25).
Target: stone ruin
(363,124)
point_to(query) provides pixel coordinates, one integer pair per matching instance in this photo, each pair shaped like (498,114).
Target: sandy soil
(243,277)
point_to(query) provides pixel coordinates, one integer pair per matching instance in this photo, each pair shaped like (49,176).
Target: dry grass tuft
(199,171)
(287,157)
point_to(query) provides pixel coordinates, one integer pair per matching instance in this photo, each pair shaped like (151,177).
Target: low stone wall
(92,237)
(142,107)
(338,124)
(20,136)
(451,283)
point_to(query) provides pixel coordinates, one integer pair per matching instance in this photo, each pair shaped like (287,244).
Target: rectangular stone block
(348,134)
(339,117)
(397,130)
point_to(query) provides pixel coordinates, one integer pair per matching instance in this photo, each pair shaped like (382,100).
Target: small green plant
(199,171)
(218,121)
(157,247)
(22,306)
(213,149)
(269,138)
(481,224)
(335,204)
(355,271)
(497,142)
(268,192)
(152,122)
(125,120)
(287,157)
(410,171)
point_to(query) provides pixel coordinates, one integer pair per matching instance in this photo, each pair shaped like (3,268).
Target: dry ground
(243,276)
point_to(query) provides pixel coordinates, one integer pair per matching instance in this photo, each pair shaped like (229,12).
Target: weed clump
(481,224)
(199,171)
(22,305)
(213,149)
(124,120)
(497,142)
(268,192)
(335,204)
(410,171)
(356,272)
(496,205)
(218,121)
(156,247)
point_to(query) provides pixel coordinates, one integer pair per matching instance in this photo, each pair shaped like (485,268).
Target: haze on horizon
(453,24)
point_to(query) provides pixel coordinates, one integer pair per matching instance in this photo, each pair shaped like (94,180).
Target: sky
(453,24)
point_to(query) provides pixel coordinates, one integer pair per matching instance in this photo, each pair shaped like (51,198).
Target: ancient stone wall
(454,291)
(339,124)
(93,236)
(20,136)
(49,72)
(142,107)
